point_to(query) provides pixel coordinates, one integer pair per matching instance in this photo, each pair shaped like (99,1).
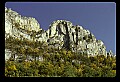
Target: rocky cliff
(74,37)
(61,34)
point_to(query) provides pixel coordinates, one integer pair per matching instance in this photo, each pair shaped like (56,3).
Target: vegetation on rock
(54,62)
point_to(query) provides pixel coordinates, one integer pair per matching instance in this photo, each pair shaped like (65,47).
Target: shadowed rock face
(61,33)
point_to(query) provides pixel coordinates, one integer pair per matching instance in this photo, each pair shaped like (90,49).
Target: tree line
(55,62)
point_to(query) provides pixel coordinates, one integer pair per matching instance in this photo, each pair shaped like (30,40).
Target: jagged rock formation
(75,38)
(61,34)
(18,26)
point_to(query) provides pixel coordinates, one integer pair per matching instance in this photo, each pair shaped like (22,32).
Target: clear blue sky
(99,18)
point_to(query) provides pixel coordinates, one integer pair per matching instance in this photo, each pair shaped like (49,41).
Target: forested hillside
(38,59)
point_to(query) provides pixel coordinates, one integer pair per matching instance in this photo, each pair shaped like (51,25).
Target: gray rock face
(75,38)
(18,26)
(110,53)
(7,54)
(61,34)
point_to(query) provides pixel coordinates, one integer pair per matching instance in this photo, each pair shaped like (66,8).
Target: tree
(69,71)
(35,53)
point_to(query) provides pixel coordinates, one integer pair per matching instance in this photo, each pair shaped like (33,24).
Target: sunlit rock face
(61,34)
(76,38)
(7,54)
(19,26)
